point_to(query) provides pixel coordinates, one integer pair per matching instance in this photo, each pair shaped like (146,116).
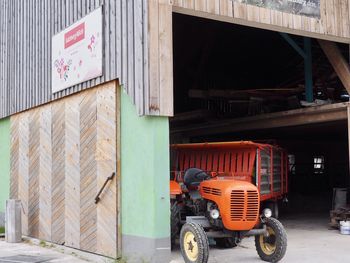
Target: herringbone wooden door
(61,155)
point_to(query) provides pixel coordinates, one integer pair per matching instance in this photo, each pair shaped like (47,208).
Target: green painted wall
(144,173)
(4,162)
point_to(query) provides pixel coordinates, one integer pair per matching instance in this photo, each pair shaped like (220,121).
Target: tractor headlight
(214,214)
(267,212)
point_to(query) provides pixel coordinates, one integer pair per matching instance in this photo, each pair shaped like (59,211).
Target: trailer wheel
(273,247)
(194,243)
(226,242)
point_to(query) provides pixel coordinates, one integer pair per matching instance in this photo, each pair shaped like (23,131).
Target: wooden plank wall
(333,24)
(160,57)
(61,154)
(26,30)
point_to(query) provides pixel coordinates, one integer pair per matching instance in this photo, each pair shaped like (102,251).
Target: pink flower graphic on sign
(92,44)
(62,68)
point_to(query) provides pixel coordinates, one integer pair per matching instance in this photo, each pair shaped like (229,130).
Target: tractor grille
(252,205)
(211,191)
(244,205)
(237,205)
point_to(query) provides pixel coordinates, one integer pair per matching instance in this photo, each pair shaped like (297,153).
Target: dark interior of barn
(234,83)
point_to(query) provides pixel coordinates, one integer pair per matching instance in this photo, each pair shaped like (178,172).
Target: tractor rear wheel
(226,242)
(272,248)
(174,221)
(194,243)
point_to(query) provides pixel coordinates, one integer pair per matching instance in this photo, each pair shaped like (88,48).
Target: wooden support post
(306,54)
(309,95)
(340,65)
(349,138)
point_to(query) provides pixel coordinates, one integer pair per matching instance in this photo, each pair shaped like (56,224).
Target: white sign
(77,52)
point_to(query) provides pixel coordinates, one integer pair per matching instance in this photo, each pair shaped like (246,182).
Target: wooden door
(61,155)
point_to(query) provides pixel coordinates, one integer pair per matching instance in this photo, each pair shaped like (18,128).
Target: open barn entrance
(234,83)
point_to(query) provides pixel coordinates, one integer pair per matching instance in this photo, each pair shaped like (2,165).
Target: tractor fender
(175,188)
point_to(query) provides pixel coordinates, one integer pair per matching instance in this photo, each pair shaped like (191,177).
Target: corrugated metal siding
(27,27)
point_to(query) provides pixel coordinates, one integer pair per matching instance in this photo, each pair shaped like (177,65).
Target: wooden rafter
(338,62)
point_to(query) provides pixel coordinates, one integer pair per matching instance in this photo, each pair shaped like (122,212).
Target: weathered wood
(153,8)
(187,3)
(224,7)
(200,5)
(34,163)
(106,158)
(88,172)
(160,56)
(25,57)
(45,173)
(72,172)
(64,151)
(338,62)
(330,17)
(165,58)
(348,119)
(321,114)
(253,13)
(58,168)
(240,10)
(265,15)
(23,168)
(345,23)
(332,25)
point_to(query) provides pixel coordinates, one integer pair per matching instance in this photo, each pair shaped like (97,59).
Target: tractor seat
(194,176)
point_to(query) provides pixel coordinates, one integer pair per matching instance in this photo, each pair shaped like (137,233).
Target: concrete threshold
(32,246)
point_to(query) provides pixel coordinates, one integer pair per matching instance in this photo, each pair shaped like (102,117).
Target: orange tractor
(227,191)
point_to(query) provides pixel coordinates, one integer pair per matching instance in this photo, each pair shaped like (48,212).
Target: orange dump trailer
(264,165)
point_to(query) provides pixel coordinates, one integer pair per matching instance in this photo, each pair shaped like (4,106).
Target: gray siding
(27,27)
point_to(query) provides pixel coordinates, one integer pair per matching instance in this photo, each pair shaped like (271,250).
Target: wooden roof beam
(305,116)
(338,62)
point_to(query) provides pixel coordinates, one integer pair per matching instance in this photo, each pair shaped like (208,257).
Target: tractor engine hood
(238,201)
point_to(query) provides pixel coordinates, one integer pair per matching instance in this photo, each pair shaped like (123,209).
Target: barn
(92,93)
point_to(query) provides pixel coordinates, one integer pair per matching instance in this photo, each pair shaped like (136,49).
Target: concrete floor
(309,240)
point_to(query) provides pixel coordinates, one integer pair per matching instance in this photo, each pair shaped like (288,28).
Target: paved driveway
(309,240)
(24,252)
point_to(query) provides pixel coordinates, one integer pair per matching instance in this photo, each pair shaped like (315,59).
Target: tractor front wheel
(194,243)
(272,247)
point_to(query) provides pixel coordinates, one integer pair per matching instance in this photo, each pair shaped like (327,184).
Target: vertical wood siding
(26,29)
(333,23)
(65,151)
(137,43)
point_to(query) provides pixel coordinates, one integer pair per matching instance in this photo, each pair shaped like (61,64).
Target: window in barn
(318,164)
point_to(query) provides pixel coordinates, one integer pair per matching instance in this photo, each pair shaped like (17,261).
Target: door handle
(97,198)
